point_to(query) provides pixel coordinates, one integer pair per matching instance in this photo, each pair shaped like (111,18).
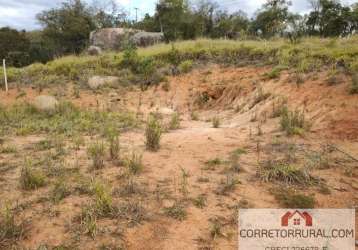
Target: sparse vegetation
(31,178)
(289,198)
(227,185)
(24,119)
(96,151)
(174,121)
(10,230)
(293,122)
(114,146)
(153,134)
(60,191)
(176,211)
(354,87)
(186,66)
(200,201)
(134,163)
(216,122)
(281,171)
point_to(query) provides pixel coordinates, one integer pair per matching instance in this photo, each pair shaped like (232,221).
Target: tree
(330,18)
(14,47)
(107,14)
(271,19)
(170,14)
(68,27)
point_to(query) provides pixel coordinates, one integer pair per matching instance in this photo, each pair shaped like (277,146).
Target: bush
(186,66)
(96,152)
(153,134)
(30,178)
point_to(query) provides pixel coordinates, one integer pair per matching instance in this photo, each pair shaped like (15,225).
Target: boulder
(94,51)
(46,103)
(144,39)
(95,82)
(111,38)
(116,38)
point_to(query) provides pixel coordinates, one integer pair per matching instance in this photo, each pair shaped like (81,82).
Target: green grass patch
(24,119)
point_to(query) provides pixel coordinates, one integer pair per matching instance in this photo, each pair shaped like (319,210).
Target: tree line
(66,29)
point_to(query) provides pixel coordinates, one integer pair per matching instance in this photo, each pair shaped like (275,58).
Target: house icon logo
(296,219)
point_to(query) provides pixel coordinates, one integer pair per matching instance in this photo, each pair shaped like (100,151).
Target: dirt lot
(188,192)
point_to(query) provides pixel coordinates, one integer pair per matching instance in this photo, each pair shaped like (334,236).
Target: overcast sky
(21,14)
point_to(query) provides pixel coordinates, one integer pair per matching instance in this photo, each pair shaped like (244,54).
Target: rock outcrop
(96,82)
(116,38)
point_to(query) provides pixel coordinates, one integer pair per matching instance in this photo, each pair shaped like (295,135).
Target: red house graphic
(297,218)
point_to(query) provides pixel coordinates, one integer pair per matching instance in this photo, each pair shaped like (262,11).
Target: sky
(21,14)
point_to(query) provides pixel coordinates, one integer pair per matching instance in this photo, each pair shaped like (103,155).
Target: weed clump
(200,201)
(134,163)
(9,229)
(30,178)
(113,141)
(186,66)
(293,122)
(283,172)
(153,134)
(176,211)
(60,191)
(96,152)
(291,199)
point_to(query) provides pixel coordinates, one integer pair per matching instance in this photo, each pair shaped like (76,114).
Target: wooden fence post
(5,76)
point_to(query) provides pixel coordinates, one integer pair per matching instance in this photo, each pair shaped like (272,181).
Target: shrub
(89,221)
(186,66)
(354,87)
(134,163)
(30,178)
(96,152)
(102,198)
(153,134)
